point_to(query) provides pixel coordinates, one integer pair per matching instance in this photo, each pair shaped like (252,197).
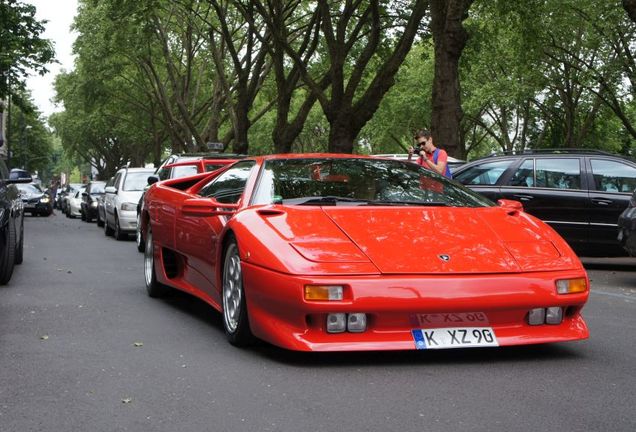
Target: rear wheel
(235,316)
(154,288)
(7,254)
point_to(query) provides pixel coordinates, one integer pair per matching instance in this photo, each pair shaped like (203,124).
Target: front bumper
(396,305)
(127,221)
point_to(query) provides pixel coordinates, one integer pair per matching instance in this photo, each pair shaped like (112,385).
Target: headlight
(45,199)
(129,207)
(94,204)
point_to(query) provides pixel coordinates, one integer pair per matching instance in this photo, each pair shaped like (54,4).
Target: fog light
(336,322)
(571,286)
(536,316)
(554,315)
(323,292)
(356,322)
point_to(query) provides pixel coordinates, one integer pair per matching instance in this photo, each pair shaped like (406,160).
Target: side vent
(170,263)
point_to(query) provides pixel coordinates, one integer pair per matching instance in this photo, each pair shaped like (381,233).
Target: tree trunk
(630,7)
(450,38)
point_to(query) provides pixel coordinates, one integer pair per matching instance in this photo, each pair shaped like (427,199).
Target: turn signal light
(323,292)
(571,286)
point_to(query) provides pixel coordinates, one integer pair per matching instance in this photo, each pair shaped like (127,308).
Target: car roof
(138,169)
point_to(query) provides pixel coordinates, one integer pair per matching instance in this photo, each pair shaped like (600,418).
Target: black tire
(83,216)
(235,316)
(153,288)
(7,254)
(19,251)
(118,233)
(108,231)
(139,236)
(100,222)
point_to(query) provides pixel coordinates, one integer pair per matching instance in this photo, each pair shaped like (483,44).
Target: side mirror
(110,189)
(512,206)
(152,180)
(203,207)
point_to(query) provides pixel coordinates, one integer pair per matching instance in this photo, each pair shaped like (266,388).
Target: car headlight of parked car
(129,206)
(45,199)
(94,204)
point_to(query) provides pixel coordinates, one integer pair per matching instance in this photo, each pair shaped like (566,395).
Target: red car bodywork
(504,263)
(203,165)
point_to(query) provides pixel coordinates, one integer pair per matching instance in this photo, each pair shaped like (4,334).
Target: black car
(36,201)
(90,198)
(11,223)
(580,193)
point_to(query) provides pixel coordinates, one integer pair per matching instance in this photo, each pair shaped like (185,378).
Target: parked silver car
(120,201)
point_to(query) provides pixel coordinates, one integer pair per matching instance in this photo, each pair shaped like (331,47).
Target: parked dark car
(580,193)
(627,227)
(11,223)
(90,197)
(36,201)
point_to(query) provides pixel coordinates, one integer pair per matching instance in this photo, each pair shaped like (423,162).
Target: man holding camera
(430,157)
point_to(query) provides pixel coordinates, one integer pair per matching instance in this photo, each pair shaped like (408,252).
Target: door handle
(601,201)
(523,197)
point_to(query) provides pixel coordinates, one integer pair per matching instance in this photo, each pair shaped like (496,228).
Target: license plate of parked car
(454,337)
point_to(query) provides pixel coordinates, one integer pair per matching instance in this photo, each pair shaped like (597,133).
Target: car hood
(421,240)
(28,195)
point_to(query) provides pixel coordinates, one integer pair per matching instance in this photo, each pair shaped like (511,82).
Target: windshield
(136,181)
(30,188)
(97,188)
(184,171)
(325,181)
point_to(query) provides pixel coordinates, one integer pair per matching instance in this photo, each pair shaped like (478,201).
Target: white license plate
(454,337)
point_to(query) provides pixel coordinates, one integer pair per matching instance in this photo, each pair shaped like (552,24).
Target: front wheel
(154,288)
(139,237)
(19,251)
(7,254)
(118,233)
(235,317)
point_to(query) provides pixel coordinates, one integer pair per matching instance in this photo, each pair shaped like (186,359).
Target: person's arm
(440,166)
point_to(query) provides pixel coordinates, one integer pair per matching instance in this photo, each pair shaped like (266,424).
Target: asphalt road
(82,348)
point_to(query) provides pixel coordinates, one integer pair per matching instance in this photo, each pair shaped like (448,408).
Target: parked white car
(120,201)
(74,204)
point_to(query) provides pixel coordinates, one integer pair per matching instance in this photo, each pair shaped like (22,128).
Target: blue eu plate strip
(419,339)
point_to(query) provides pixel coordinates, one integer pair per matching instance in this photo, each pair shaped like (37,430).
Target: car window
(136,181)
(184,171)
(31,188)
(97,188)
(524,176)
(558,173)
(117,182)
(213,166)
(164,173)
(484,174)
(613,176)
(229,186)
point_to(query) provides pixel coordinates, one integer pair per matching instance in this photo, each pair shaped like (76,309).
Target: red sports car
(321,252)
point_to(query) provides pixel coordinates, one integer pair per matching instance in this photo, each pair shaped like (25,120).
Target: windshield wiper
(324,200)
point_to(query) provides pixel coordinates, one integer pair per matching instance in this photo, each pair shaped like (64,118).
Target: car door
(196,237)
(485,177)
(612,182)
(553,189)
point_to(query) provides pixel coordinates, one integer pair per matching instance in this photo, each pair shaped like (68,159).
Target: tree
(23,49)
(363,44)
(450,38)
